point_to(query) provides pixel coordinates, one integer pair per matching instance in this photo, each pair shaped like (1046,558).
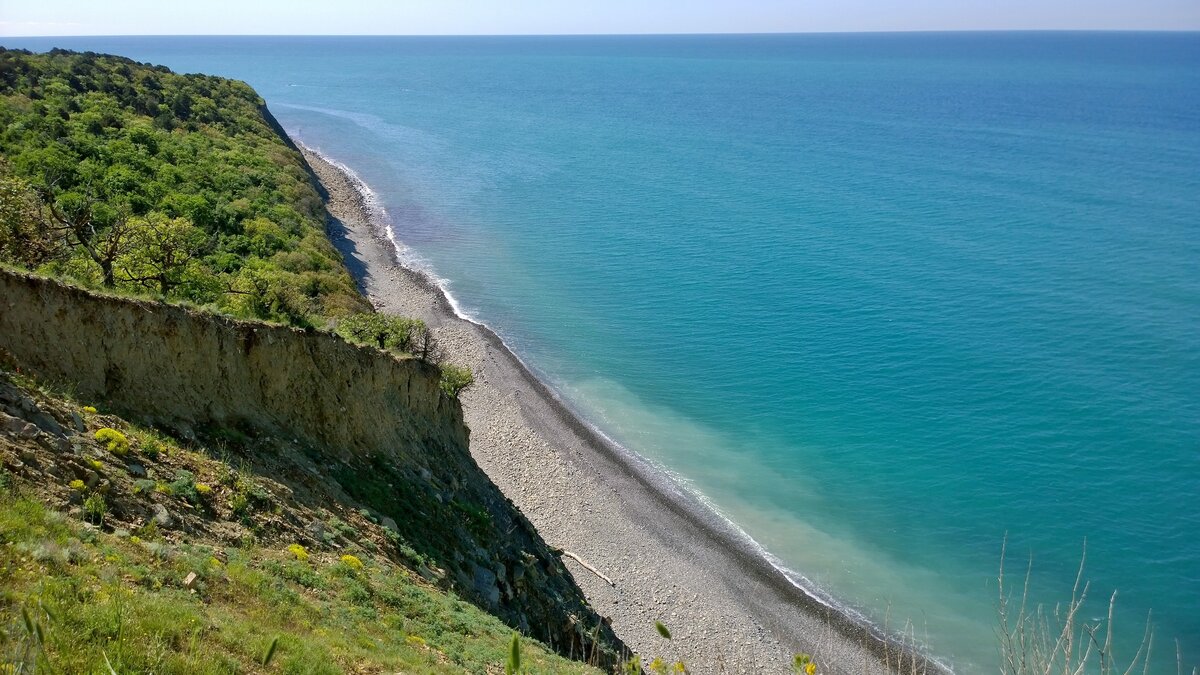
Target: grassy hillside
(130,176)
(231,560)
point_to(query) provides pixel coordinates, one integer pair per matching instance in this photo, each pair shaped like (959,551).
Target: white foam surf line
(380,218)
(682,486)
(671,479)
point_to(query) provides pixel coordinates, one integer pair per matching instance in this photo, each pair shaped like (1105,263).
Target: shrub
(240,504)
(77,485)
(94,508)
(352,562)
(152,448)
(114,441)
(300,552)
(185,486)
(389,333)
(203,489)
(455,379)
(89,410)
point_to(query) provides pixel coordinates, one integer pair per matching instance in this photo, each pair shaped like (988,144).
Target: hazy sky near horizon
(502,17)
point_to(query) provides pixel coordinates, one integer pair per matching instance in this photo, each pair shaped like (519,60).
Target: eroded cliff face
(380,427)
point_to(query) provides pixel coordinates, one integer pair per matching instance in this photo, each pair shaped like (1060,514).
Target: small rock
(10,424)
(189,582)
(387,522)
(317,530)
(136,470)
(54,443)
(162,517)
(77,422)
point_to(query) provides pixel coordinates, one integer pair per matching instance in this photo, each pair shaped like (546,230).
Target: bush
(94,508)
(152,448)
(185,486)
(299,551)
(389,333)
(114,441)
(352,562)
(455,379)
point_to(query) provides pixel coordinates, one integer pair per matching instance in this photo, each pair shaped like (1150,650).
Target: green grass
(94,596)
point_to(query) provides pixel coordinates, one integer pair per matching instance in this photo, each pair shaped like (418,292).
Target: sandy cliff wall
(394,441)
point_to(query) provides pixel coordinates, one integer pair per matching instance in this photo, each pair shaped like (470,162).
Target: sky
(520,17)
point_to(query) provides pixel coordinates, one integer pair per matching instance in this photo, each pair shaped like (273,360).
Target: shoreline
(672,558)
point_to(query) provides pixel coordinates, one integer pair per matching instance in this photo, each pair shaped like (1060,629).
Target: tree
(162,252)
(455,379)
(25,238)
(390,333)
(426,347)
(96,228)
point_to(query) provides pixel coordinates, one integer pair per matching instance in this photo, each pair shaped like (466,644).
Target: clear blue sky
(465,17)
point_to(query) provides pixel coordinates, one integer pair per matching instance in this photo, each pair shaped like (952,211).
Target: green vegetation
(114,440)
(133,178)
(136,577)
(76,598)
(129,176)
(389,333)
(455,379)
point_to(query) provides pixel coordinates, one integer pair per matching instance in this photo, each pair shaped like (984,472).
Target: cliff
(378,430)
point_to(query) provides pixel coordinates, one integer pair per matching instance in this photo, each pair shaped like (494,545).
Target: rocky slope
(360,428)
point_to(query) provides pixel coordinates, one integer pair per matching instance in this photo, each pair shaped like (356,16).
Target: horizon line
(645,34)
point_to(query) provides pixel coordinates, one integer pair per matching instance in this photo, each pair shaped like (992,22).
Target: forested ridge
(129,176)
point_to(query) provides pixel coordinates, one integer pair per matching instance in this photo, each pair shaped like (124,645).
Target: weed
(513,664)
(298,551)
(143,486)
(184,486)
(94,508)
(114,441)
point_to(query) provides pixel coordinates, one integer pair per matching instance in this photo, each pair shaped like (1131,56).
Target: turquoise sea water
(882,299)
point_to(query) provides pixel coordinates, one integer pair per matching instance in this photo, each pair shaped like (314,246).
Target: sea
(891,303)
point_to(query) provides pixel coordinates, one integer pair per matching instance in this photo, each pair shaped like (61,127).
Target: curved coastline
(793,614)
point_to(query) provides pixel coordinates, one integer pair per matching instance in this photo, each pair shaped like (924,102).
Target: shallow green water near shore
(881,299)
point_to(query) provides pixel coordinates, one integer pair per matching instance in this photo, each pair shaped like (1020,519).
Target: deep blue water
(881,298)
